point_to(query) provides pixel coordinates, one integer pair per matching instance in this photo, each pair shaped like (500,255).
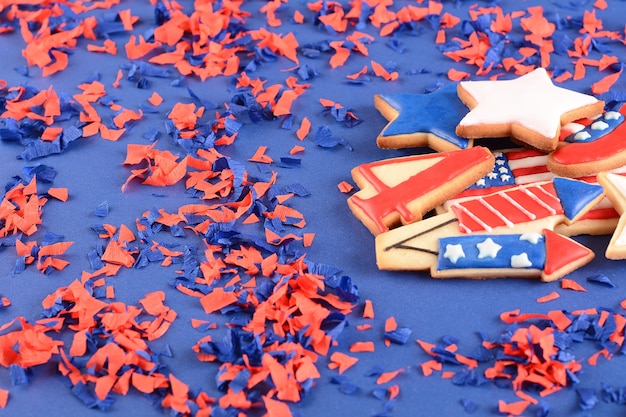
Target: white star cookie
(615,186)
(529,108)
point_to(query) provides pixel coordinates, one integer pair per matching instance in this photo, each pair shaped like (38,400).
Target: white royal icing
(532,237)
(573,127)
(488,248)
(611,115)
(520,261)
(530,100)
(599,125)
(581,136)
(454,253)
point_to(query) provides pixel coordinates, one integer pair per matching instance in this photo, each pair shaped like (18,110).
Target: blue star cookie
(422,120)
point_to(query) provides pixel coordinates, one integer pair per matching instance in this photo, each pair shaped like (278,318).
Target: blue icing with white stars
(492,251)
(501,174)
(600,127)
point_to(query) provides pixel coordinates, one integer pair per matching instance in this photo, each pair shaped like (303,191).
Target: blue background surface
(92,170)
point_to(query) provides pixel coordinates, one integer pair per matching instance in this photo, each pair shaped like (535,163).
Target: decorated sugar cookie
(522,209)
(529,108)
(547,255)
(615,186)
(422,120)
(594,145)
(400,190)
(518,166)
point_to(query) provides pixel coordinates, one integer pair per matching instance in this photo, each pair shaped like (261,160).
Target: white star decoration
(520,261)
(531,101)
(599,125)
(488,248)
(611,115)
(454,253)
(531,237)
(580,136)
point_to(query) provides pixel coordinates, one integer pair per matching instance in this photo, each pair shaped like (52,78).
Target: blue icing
(575,195)
(599,128)
(437,113)
(501,174)
(481,251)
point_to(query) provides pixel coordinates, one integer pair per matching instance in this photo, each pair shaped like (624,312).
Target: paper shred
(601,279)
(362,347)
(341,54)
(298,17)
(217,299)
(296,150)
(303,130)
(514,409)
(259,156)
(569,284)
(341,362)
(388,376)
(380,71)
(605,84)
(307,239)
(455,75)
(276,408)
(4,398)
(398,336)
(60,194)
(368,310)
(587,398)
(549,297)
(102,210)
(155,99)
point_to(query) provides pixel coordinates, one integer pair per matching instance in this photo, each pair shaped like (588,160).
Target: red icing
(395,199)
(519,172)
(598,150)
(522,154)
(565,133)
(561,251)
(510,211)
(601,214)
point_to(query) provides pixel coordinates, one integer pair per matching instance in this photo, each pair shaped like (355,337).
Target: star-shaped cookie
(422,120)
(529,108)
(615,186)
